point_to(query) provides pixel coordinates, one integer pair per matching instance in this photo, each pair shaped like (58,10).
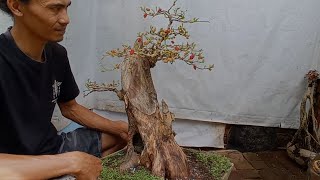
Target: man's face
(47,19)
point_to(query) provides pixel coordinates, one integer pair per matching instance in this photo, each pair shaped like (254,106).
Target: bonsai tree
(152,142)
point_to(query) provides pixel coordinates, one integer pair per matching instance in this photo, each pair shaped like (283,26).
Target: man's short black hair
(4,7)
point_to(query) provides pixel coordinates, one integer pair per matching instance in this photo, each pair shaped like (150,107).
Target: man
(35,75)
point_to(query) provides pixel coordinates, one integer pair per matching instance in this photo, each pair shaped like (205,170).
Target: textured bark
(317,102)
(151,137)
(307,137)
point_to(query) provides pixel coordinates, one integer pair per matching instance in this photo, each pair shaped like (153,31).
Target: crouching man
(35,75)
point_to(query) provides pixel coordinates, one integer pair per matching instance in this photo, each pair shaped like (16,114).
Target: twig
(95,87)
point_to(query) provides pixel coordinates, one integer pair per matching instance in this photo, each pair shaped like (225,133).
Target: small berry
(192,56)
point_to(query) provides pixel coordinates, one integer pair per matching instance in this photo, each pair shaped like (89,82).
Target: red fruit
(168,31)
(194,67)
(159,10)
(177,48)
(139,39)
(131,52)
(145,15)
(192,56)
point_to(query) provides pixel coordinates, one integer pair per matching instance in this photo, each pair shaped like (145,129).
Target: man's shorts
(82,139)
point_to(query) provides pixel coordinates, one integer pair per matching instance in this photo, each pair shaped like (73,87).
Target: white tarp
(261,51)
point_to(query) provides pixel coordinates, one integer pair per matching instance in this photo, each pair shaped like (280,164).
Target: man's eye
(55,9)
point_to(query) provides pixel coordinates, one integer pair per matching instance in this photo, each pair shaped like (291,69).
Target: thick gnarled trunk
(151,137)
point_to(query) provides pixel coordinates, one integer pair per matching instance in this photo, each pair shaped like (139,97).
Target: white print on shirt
(56,90)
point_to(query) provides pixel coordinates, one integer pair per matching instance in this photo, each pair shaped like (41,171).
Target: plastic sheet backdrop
(261,51)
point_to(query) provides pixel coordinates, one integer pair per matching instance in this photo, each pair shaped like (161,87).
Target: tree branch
(95,87)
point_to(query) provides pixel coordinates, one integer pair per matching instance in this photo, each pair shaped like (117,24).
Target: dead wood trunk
(151,137)
(307,137)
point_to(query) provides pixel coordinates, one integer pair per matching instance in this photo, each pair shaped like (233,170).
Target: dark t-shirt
(29,91)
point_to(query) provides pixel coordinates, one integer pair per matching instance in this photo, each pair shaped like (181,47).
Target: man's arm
(49,166)
(81,115)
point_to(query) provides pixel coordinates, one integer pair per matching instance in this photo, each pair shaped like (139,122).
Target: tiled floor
(270,165)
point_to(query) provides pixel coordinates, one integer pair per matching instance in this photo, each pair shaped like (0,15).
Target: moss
(111,170)
(113,174)
(217,165)
(114,160)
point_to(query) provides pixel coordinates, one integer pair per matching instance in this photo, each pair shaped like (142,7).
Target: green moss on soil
(111,170)
(217,166)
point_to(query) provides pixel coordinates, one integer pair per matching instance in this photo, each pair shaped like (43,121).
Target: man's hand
(86,167)
(123,130)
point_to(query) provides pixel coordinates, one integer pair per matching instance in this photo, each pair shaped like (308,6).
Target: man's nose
(64,18)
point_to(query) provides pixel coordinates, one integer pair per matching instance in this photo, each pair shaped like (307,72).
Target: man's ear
(15,7)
